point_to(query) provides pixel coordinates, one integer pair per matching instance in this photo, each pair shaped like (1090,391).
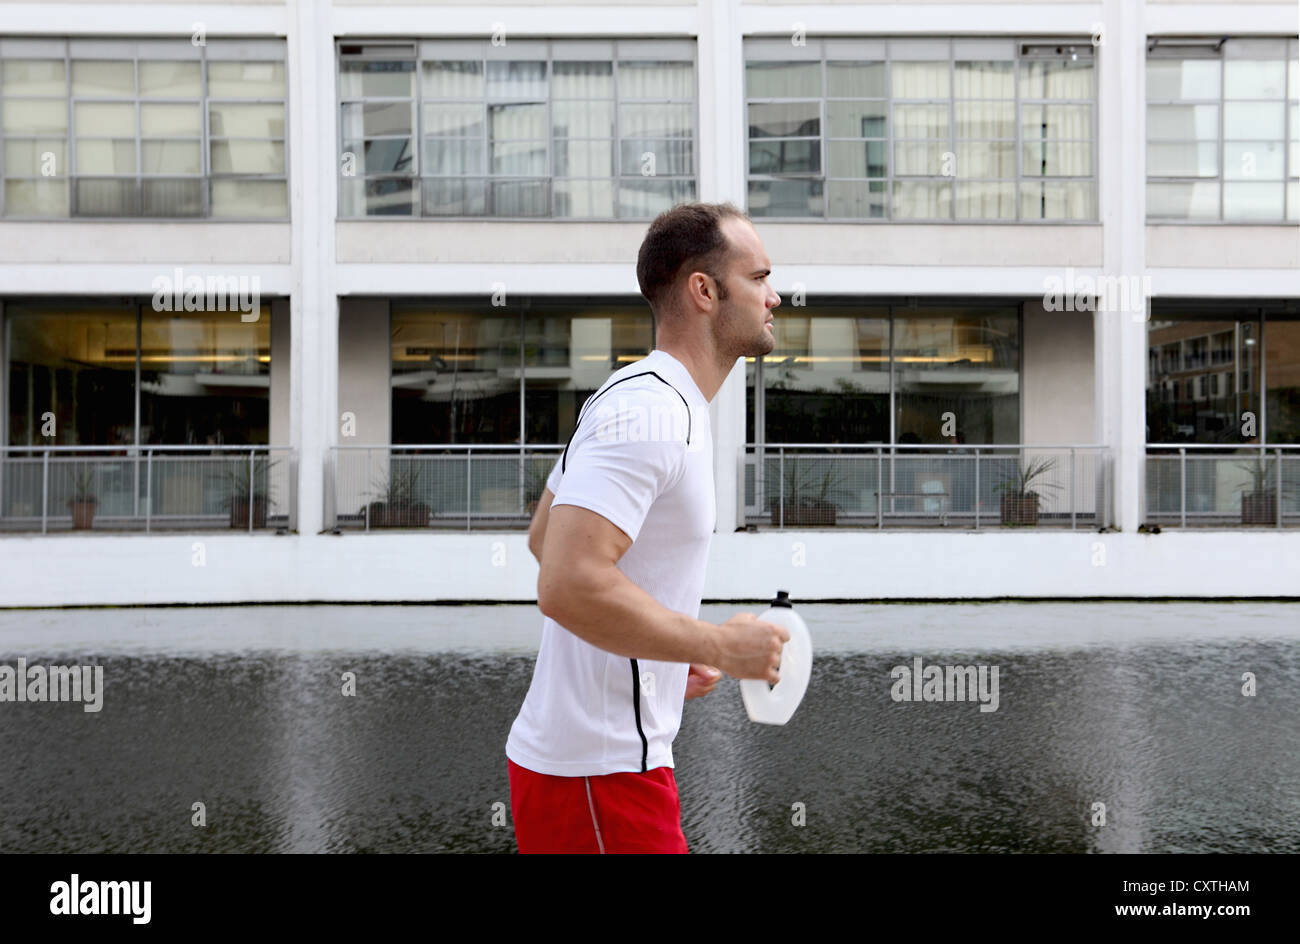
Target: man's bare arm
(580,588)
(537,527)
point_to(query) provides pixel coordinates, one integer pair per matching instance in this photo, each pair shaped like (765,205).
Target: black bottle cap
(783,599)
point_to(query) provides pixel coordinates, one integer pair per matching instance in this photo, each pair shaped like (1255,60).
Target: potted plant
(248,493)
(806,499)
(83,501)
(1259,504)
(1020,492)
(396,506)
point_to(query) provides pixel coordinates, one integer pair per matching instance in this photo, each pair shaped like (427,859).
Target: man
(622,532)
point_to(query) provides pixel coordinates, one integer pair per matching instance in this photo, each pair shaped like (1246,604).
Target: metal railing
(147,488)
(1216,485)
(879,486)
(435,486)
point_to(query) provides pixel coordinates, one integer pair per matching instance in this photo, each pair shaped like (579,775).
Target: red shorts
(626,812)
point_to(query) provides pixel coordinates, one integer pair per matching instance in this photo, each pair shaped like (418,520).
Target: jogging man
(622,533)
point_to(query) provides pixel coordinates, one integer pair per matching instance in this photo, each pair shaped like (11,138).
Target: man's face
(744,323)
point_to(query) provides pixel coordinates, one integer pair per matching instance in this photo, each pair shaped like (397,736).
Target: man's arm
(537,527)
(581,588)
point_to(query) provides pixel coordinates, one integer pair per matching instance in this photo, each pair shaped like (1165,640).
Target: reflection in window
(458,378)
(833,375)
(204,376)
(1204,383)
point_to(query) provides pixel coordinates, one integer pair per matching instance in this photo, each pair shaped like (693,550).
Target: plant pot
(404,515)
(378,516)
(1259,508)
(239,513)
(1020,509)
(805,513)
(83,513)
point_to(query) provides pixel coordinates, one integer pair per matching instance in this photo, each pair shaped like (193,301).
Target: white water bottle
(775,704)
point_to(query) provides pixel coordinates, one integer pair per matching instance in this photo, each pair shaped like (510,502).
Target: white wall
(1057,377)
(1187,246)
(365,362)
(357,567)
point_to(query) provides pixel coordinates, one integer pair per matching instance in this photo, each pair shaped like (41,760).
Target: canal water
(1119,727)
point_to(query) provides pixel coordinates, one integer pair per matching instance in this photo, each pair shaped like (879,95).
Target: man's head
(702,267)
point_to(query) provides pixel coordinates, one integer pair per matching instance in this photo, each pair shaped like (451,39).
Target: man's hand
(701,680)
(750,648)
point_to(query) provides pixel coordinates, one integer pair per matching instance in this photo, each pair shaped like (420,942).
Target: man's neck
(705,366)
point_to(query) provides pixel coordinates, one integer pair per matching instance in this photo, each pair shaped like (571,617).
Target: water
(1135,706)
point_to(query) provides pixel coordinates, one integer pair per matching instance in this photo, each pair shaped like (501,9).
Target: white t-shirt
(589,712)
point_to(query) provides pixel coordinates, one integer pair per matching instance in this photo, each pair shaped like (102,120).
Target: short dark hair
(688,235)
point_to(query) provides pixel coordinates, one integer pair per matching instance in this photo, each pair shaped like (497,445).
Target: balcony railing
(436,486)
(915,486)
(1208,485)
(147,488)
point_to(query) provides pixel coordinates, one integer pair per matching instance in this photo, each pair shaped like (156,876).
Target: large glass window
(459,375)
(952,375)
(143,128)
(1223,136)
(583,129)
(204,377)
(921,129)
(1223,373)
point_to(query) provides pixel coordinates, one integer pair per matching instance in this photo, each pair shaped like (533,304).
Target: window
(1249,340)
(564,129)
(888,374)
(204,377)
(143,129)
(1223,133)
(459,376)
(962,129)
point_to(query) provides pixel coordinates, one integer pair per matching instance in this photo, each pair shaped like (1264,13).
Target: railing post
(880,489)
(251,487)
(363,494)
(1278,500)
(148,488)
(469,480)
(977,489)
(1182,487)
(781,493)
(45,489)
(1074,517)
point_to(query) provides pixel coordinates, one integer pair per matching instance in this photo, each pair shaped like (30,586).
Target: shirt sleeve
(553,480)
(624,455)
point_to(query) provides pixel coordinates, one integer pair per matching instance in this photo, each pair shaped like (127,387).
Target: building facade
(299,301)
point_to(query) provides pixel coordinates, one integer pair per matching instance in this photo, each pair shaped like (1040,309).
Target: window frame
(1172,44)
(619,53)
(825,50)
(149,49)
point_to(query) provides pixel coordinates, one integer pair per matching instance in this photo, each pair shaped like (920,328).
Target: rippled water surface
(1139,707)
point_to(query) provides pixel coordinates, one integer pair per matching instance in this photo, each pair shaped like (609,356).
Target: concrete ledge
(77,570)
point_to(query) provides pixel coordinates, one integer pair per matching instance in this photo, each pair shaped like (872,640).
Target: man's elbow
(551,595)
(564,593)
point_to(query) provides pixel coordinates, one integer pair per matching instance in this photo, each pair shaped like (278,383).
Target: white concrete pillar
(721,153)
(313,199)
(1121,334)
